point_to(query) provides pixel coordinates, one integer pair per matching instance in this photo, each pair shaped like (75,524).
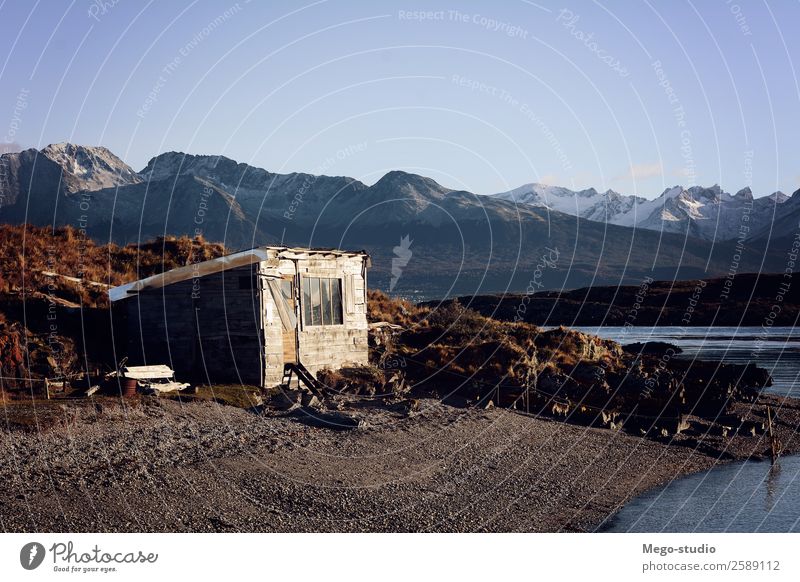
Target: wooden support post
(773,441)
(47,388)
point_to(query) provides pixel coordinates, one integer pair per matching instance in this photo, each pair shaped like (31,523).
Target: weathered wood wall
(216,328)
(333,346)
(320,346)
(206,329)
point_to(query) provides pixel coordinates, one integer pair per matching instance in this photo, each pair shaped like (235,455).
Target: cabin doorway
(289,297)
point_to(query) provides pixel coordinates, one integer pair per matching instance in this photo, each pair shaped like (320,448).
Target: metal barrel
(129,387)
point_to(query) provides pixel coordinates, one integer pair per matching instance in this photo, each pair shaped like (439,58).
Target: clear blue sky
(483,96)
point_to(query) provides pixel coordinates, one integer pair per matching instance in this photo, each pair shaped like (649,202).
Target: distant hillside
(426,240)
(748,300)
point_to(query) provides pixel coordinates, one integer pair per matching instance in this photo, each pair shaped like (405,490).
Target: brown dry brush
(381,307)
(81,309)
(12,359)
(455,350)
(370,381)
(26,251)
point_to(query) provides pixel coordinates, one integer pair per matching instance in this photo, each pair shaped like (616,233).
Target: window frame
(320,309)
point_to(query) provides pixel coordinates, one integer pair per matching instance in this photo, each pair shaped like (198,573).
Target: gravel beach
(168,466)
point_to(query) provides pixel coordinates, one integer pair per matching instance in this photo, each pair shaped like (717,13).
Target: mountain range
(450,241)
(706,213)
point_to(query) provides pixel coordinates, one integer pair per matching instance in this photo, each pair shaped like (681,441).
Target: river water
(749,496)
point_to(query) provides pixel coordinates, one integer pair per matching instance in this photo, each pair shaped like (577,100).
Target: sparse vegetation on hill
(381,307)
(448,349)
(54,309)
(29,253)
(455,351)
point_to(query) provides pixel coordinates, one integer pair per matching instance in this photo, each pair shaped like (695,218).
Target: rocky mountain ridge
(707,213)
(459,242)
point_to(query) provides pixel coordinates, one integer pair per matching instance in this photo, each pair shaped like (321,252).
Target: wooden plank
(349,294)
(148,372)
(288,318)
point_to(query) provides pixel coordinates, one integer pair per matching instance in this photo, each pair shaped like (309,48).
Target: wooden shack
(242,317)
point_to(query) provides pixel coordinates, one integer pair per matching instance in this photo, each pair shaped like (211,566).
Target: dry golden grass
(381,307)
(26,251)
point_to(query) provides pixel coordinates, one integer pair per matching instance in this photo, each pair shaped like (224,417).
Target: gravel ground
(161,465)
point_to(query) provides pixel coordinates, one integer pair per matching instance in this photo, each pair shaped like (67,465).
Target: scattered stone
(311,401)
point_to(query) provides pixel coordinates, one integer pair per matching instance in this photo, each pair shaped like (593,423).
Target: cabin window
(286,291)
(322,301)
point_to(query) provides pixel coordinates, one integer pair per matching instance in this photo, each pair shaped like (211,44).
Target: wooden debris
(76,280)
(155,379)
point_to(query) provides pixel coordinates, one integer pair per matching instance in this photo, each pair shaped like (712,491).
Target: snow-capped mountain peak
(588,203)
(90,168)
(705,212)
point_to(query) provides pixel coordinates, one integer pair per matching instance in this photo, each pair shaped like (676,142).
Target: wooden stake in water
(773,441)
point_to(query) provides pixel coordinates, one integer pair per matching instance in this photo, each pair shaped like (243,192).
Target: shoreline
(745,299)
(163,465)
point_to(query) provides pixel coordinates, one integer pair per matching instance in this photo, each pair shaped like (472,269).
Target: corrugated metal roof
(219,264)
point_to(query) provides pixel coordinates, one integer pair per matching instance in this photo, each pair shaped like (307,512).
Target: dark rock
(652,348)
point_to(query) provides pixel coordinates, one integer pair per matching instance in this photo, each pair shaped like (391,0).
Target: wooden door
(289,298)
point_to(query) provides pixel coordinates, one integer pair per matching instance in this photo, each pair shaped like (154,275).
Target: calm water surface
(749,496)
(777,349)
